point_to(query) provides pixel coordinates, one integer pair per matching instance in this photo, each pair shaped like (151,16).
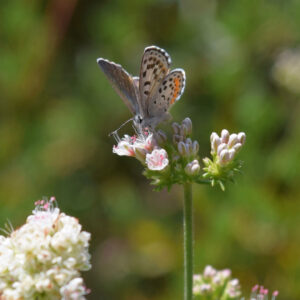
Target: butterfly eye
(138,119)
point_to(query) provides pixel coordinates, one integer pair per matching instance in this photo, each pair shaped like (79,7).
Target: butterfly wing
(154,68)
(169,91)
(124,84)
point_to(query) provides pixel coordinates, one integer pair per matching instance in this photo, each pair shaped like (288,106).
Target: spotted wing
(124,84)
(169,91)
(154,68)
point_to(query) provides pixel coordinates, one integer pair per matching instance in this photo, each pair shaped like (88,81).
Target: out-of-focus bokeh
(242,61)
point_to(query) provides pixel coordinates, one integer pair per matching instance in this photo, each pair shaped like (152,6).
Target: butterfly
(150,96)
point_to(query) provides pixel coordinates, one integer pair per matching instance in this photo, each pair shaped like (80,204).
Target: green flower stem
(188,241)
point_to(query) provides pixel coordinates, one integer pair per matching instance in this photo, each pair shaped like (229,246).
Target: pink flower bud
(182,148)
(221,147)
(233,139)
(224,157)
(187,123)
(195,147)
(176,128)
(237,147)
(192,168)
(242,137)
(213,136)
(225,136)
(231,154)
(215,143)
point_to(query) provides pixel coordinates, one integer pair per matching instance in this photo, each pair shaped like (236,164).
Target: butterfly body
(149,96)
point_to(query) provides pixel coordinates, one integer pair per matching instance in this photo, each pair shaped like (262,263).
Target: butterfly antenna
(115,132)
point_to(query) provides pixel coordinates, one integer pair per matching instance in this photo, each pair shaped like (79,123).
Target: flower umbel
(260,293)
(177,162)
(216,285)
(43,258)
(224,150)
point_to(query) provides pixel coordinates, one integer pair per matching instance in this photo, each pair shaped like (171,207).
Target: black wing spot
(147,83)
(150,66)
(164,82)
(145,61)
(165,88)
(165,110)
(163,96)
(144,73)
(170,79)
(154,101)
(160,90)
(155,70)
(146,92)
(171,85)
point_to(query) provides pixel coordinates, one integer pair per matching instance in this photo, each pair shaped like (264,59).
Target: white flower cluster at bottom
(215,285)
(43,258)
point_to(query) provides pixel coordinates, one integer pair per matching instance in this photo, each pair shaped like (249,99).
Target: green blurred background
(57,108)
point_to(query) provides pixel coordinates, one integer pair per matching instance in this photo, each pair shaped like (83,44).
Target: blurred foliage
(57,108)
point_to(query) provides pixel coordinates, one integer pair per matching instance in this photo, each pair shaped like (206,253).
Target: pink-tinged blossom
(135,146)
(125,147)
(261,293)
(157,160)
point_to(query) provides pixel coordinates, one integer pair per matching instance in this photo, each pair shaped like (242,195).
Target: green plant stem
(188,241)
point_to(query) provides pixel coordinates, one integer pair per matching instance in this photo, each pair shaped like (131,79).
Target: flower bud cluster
(227,146)
(215,285)
(224,150)
(260,293)
(186,147)
(44,257)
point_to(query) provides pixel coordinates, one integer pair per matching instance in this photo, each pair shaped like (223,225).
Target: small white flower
(135,146)
(74,290)
(157,160)
(124,147)
(209,272)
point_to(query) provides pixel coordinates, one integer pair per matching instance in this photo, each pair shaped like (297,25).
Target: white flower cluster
(286,70)
(215,285)
(227,146)
(187,148)
(43,258)
(144,147)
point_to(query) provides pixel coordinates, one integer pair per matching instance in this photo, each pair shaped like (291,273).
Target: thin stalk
(188,241)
